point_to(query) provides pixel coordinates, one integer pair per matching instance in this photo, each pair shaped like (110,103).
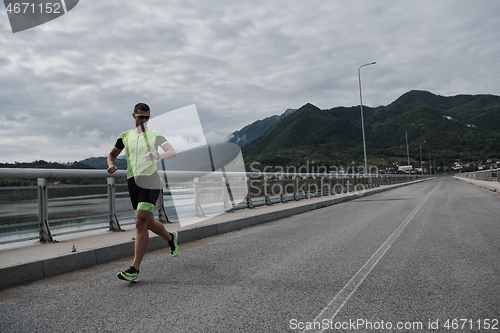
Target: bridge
(416,258)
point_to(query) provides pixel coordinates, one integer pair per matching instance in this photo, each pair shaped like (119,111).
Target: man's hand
(112,169)
(151,157)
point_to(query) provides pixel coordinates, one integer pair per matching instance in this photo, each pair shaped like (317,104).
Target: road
(411,259)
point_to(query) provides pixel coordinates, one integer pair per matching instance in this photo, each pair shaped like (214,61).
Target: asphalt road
(411,259)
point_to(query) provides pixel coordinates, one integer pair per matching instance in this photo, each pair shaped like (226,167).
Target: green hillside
(41,164)
(308,134)
(463,127)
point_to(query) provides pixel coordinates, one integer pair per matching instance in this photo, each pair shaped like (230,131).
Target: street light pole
(407,149)
(362,118)
(430,165)
(421,161)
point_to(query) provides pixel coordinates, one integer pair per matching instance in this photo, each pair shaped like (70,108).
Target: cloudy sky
(68,87)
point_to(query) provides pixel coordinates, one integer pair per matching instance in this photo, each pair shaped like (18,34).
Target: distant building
(405,168)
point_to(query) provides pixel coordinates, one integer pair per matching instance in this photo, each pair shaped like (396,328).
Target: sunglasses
(142,115)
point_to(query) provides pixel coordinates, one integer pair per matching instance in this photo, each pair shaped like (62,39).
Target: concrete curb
(37,270)
(482,183)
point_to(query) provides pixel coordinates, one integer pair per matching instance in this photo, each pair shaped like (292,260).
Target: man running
(144,184)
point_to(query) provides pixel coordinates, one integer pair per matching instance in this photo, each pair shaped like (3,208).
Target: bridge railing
(489,175)
(263,189)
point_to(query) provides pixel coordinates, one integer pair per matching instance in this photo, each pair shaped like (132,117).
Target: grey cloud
(237,61)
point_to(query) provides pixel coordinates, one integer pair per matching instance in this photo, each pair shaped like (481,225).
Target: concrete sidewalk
(39,261)
(490,185)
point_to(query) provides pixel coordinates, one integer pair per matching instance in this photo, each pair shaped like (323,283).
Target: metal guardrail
(263,189)
(489,175)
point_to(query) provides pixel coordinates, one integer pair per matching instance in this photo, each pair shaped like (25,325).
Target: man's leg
(143,201)
(144,221)
(142,218)
(158,228)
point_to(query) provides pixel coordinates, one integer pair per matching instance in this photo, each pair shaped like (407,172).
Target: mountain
(462,127)
(457,127)
(102,162)
(307,134)
(444,128)
(351,114)
(250,133)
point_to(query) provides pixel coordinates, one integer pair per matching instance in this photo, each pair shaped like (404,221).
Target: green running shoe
(129,275)
(174,247)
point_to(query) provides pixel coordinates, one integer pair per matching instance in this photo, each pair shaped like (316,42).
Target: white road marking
(338,302)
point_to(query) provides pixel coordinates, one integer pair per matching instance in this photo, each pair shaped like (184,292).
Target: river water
(72,216)
(69,216)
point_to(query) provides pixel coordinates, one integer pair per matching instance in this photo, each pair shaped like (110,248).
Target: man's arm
(111,160)
(168,153)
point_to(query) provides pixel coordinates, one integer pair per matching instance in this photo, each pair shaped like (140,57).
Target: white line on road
(338,302)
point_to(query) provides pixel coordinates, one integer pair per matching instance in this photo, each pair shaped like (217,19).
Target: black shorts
(144,198)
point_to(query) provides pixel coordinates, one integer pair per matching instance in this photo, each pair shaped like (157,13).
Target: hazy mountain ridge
(255,130)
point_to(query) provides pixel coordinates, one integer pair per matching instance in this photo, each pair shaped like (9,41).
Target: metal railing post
(266,194)
(249,197)
(162,215)
(329,184)
(323,191)
(348,186)
(228,208)
(295,188)
(197,200)
(114,225)
(282,190)
(308,187)
(43,211)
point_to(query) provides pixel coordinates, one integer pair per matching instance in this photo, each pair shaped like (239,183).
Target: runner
(144,184)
